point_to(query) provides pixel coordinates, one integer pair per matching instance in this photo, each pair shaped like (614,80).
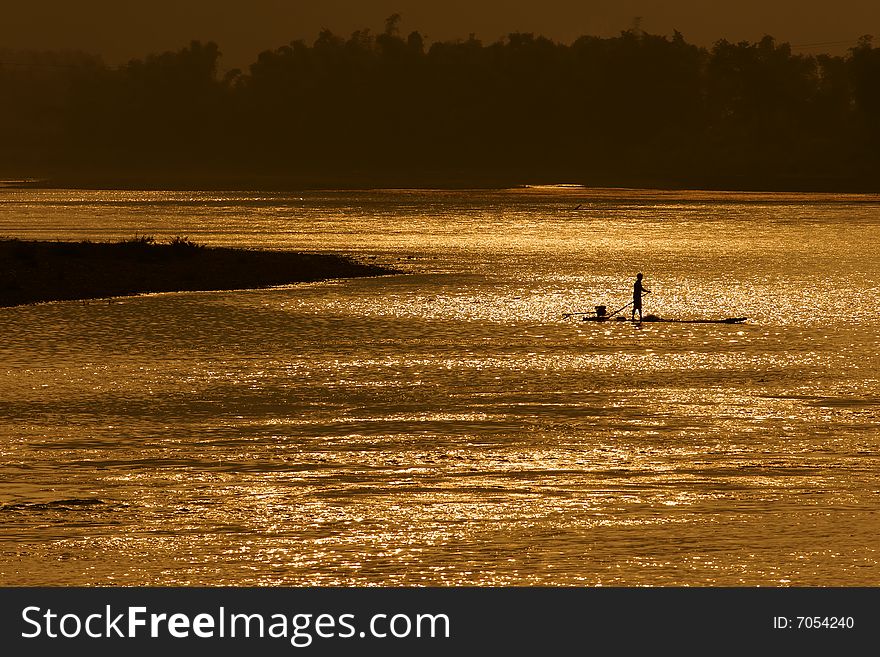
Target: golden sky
(122,29)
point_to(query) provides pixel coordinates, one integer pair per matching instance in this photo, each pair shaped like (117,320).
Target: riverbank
(38,271)
(441,179)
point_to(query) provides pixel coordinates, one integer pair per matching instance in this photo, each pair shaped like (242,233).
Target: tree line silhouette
(636,108)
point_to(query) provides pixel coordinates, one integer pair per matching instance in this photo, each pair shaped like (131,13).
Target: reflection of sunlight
(450,426)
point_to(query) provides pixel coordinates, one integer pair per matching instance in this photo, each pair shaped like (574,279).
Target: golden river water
(448,425)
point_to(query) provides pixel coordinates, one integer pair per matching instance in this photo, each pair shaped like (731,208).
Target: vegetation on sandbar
(37,271)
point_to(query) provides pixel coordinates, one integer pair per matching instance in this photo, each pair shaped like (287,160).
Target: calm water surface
(447,426)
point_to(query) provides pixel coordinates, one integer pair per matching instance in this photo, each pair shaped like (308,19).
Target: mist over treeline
(631,109)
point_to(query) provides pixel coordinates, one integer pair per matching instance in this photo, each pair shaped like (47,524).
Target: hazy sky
(123,29)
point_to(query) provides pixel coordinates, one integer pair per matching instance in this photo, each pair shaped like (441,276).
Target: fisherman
(638,291)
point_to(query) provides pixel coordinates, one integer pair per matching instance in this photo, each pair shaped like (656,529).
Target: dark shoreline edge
(437,180)
(37,271)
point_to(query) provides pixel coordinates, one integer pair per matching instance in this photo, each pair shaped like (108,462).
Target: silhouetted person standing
(638,291)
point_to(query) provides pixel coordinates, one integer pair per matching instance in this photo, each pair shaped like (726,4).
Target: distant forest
(388,108)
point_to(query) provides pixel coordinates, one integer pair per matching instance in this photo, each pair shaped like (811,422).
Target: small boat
(647,319)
